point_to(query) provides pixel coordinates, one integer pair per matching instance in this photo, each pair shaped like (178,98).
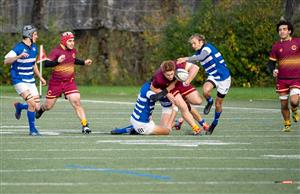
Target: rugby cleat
(34,132)
(86,129)
(178,123)
(208,107)
(205,126)
(39,113)
(295,116)
(211,128)
(199,132)
(18,110)
(286,128)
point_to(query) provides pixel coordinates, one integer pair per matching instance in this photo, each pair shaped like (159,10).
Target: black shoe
(208,107)
(39,113)
(86,129)
(211,128)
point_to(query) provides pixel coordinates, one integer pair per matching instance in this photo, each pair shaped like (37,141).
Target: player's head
(29,31)
(197,41)
(285,29)
(168,68)
(67,40)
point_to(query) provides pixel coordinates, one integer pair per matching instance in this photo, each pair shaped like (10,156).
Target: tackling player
(216,70)
(141,122)
(286,53)
(62,59)
(23,67)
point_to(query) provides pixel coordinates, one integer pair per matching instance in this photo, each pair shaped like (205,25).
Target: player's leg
(20,88)
(294,101)
(207,88)
(283,90)
(285,112)
(186,114)
(55,90)
(222,90)
(194,98)
(74,99)
(24,90)
(28,97)
(125,130)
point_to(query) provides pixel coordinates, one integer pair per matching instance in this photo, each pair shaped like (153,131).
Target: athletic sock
(201,122)
(196,128)
(124,130)
(84,122)
(31,121)
(209,100)
(23,106)
(217,116)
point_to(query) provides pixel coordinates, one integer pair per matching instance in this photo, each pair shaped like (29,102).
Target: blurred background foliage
(242,30)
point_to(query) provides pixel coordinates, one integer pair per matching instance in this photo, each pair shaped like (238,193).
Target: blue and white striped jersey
(212,61)
(144,106)
(22,70)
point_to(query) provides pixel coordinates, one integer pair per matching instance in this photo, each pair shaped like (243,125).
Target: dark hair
(168,66)
(283,22)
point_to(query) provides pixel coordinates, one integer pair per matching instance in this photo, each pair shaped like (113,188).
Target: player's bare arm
(10,60)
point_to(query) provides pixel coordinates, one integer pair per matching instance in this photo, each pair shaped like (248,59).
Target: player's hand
(88,62)
(275,72)
(185,84)
(182,60)
(43,81)
(61,58)
(23,55)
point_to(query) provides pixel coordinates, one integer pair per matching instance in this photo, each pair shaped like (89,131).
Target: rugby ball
(181,75)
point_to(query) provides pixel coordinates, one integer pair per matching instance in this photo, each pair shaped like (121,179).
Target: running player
(23,67)
(62,81)
(286,52)
(216,70)
(187,94)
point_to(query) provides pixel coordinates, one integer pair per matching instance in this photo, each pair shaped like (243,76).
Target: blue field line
(125,172)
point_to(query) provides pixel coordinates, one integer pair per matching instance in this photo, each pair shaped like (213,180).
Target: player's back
(214,63)
(144,106)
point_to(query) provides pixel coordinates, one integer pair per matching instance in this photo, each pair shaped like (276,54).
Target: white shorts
(143,128)
(22,87)
(222,86)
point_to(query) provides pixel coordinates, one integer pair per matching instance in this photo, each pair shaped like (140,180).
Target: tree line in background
(243,31)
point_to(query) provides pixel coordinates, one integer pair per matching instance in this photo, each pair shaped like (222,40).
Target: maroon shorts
(284,85)
(183,90)
(57,88)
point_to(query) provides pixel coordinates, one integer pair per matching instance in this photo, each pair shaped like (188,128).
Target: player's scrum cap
(28,30)
(65,37)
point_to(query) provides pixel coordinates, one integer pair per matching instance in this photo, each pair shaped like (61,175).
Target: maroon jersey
(160,81)
(287,54)
(64,71)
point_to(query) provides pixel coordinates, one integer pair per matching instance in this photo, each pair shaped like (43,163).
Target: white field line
(140,183)
(155,158)
(146,149)
(132,103)
(157,169)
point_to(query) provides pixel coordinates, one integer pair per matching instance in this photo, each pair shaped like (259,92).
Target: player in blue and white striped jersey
(23,67)
(218,75)
(141,120)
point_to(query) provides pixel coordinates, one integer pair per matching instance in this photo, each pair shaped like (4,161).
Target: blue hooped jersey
(212,61)
(22,70)
(144,106)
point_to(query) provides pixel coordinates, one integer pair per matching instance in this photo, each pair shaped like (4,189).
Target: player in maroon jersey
(183,94)
(63,59)
(286,53)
